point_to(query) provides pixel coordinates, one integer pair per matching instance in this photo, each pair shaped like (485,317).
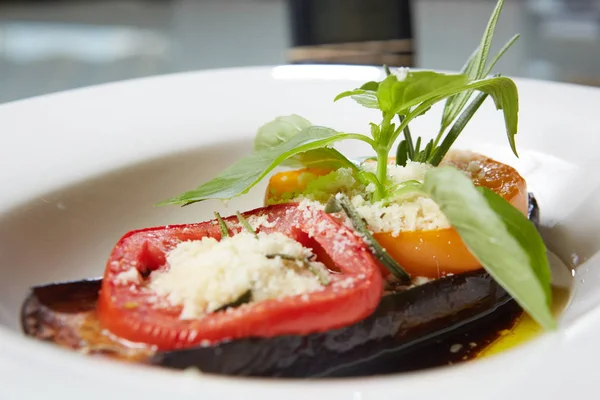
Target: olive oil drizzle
(525,328)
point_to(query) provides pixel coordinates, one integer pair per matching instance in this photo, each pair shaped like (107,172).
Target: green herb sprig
(505,242)
(245,224)
(293,141)
(341,202)
(222,226)
(322,278)
(244,298)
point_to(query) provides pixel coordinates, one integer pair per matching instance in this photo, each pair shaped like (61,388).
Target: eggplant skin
(407,331)
(533,210)
(65,314)
(52,312)
(401,321)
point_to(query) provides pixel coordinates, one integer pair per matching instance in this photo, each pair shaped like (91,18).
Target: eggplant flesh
(437,323)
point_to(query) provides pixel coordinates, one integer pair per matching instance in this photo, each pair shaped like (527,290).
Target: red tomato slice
(130,311)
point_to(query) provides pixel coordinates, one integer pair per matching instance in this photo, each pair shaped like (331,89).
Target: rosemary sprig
(323,279)
(222,226)
(244,298)
(340,202)
(245,224)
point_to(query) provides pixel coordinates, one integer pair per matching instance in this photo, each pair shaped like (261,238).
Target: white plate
(81,168)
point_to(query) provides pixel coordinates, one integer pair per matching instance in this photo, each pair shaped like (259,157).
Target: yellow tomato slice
(291,182)
(432,253)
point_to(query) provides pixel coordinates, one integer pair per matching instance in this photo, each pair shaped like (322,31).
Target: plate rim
(410,384)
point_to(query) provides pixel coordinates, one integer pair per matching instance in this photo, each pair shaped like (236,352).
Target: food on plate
(414,232)
(411,328)
(414,328)
(351,267)
(203,287)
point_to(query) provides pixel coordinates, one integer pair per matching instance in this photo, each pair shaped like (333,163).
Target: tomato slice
(435,253)
(132,312)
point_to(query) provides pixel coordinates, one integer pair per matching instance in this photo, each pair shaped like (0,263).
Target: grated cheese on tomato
(205,275)
(410,212)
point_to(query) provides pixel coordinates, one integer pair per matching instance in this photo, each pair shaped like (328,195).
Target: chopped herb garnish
(323,278)
(244,298)
(245,224)
(222,226)
(341,203)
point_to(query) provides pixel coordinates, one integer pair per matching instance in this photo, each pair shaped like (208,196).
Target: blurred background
(53,45)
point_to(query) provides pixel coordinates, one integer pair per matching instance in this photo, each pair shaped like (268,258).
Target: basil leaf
(371,85)
(399,96)
(422,85)
(240,177)
(385,93)
(526,234)
(503,240)
(325,157)
(474,68)
(279,130)
(365,95)
(503,90)
(365,98)
(375,130)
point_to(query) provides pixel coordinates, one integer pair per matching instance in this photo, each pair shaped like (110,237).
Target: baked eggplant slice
(402,333)
(440,322)
(65,314)
(401,322)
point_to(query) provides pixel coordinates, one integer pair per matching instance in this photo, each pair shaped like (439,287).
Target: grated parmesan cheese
(131,276)
(205,275)
(398,174)
(260,221)
(410,212)
(418,213)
